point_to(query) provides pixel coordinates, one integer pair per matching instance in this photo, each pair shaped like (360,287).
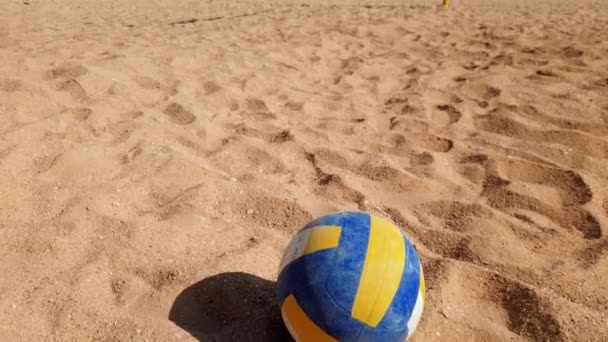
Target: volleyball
(350,276)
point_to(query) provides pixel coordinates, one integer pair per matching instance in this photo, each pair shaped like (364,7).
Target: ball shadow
(230,307)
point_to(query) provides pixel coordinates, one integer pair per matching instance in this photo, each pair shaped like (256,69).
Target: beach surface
(157,156)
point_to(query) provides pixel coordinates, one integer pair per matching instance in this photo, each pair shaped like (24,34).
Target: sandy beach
(156,157)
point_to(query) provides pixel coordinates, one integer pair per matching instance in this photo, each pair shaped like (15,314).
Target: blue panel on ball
(305,271)
(317,303)
(343,283)
(312,295)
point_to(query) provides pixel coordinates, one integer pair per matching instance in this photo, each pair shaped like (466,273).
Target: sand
(156,158)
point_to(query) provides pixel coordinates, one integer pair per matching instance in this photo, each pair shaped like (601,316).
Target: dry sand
(156,158)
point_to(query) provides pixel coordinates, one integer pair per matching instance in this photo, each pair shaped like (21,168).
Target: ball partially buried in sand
(350,276)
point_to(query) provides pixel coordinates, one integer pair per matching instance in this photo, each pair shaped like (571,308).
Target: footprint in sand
(211,87)
(294,105)
(73,88)
(454,114)
(574,192)
(500,121)
(67,71)
(573,189)
(594,253)
(332,186)
(452,246)
(348,67)
(81,114)
(388,176)
(257,109)
(529,315)
(481,93)
(424,141)
(178,114)
(456,215)
(281,137)
(422,159)
(131,154)
(399,106)
(533,113)
(147,83)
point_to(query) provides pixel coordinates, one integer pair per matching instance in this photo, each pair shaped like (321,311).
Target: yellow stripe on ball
(322,237)
(299,325)
(422,286)
(309,241)
(385,260)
